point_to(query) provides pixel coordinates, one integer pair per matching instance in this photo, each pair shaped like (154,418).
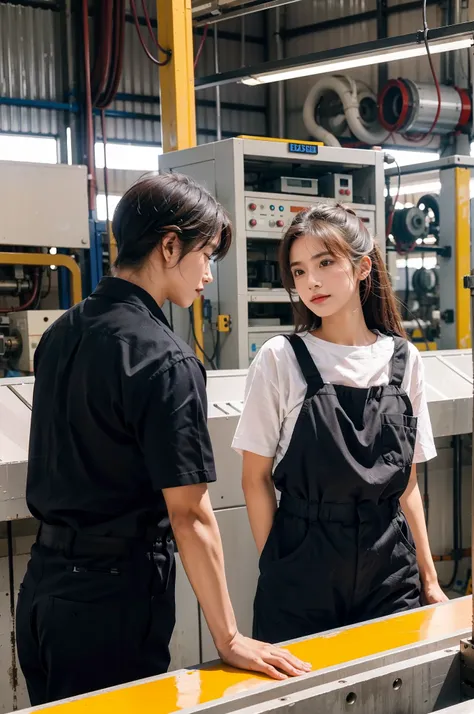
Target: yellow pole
(462,257)
(65,261)
(178,113)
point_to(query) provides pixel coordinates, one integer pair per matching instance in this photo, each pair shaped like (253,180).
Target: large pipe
(351,95)
(406,106)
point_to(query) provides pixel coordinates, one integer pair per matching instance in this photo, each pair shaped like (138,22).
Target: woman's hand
(432,593)
(245,653)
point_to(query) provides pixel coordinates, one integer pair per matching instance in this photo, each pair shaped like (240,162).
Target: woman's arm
(200,548)
(412,506)
(259,495)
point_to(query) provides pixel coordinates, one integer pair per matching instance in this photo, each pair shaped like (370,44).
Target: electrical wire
(116,65)
(421,137)
(201,45)
(209,359)
(136,21)
(152,32)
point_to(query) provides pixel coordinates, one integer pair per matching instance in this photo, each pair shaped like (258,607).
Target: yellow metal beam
(462,257)
(45,259)
(190,688)
(178,114)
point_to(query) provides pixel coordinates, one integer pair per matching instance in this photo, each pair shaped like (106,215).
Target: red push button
(252,206)
(253,222)
(280,223)
(341,191)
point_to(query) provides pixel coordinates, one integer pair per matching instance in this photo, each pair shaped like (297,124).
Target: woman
(119,462)
(335,417)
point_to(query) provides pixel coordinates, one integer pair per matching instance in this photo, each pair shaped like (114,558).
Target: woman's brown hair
(344,235)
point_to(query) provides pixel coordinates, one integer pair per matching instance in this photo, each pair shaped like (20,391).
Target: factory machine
(40,247)
(263,184)
(429,252)
(414,662)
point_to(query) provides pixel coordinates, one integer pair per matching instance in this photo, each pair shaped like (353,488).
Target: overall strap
(399,360)
(306,363)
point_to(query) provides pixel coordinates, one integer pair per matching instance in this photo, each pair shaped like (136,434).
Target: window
(130,157)
(37,149)
(101,206)
(407,157)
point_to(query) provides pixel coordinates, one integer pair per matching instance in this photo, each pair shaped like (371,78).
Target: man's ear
(169,247)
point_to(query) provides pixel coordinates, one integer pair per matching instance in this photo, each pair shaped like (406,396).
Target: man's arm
(199,543)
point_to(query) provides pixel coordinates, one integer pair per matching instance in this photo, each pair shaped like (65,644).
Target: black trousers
(85,624)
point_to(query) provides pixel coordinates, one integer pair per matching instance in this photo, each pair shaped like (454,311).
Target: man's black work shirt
(119,413)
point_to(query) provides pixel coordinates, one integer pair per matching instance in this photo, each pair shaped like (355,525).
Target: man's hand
(245,653)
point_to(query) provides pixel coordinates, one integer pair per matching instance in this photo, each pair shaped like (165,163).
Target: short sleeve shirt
(276,389)
(119,413)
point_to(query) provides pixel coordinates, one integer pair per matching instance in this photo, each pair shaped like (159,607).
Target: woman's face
(324,282)
(188,276)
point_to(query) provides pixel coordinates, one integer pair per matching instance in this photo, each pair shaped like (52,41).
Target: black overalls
(340,550)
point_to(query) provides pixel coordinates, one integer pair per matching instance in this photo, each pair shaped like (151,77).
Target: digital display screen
(344,182)
(297,209)
(299,183)
(302,148)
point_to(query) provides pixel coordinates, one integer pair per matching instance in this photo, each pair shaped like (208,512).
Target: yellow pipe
(462,257)
(65,261)
(190,688)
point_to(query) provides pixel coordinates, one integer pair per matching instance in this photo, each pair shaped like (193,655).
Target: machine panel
(54,191)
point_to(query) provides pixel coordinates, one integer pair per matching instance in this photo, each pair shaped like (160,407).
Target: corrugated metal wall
(32,61)
(30,67)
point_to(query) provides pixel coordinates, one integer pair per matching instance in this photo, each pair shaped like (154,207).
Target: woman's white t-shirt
(275,390)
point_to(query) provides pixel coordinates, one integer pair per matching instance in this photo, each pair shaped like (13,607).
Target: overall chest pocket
(398,439)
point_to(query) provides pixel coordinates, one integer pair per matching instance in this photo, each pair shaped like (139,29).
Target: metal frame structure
(363,49)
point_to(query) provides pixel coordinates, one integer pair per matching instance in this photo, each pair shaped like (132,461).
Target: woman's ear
(365,267)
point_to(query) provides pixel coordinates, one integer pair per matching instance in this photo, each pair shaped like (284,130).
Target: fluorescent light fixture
(360,60)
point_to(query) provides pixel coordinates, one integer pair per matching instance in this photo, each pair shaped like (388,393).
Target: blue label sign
(302,148)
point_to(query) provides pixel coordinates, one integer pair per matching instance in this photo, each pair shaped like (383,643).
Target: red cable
(151,31)
(89,116)
(201,45)
(118,52)
(133,8)
(103,47)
